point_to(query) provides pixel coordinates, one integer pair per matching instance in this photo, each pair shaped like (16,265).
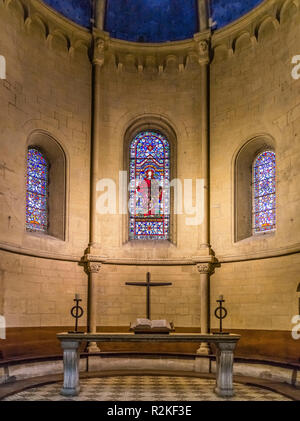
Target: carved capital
(207,268)
(203,52)
(99,48)
(203,47)
(92,267)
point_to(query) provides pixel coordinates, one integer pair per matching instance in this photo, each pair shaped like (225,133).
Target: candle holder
(76,312)
(221,313)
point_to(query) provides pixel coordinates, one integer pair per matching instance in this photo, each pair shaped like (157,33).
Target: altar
(225,345)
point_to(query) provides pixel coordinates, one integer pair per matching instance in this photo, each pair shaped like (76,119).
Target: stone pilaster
(205,270)
(92,269)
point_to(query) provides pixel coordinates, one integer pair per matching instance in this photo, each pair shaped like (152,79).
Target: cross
(148,284)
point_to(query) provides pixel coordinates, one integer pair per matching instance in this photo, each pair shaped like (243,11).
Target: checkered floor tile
(146,388)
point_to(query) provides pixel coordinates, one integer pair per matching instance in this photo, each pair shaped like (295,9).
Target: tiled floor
(143,388)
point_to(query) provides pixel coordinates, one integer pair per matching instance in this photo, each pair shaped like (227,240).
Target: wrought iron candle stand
(221,313)
(76,312)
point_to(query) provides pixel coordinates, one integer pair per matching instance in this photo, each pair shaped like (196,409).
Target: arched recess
(243,199)
(56,159)
(160,125)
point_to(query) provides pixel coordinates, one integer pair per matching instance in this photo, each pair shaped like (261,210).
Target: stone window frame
(42,152)
(57,183)
(243,186)
(253,193)
(151,123)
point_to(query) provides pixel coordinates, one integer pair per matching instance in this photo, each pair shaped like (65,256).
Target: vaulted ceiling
(153,20)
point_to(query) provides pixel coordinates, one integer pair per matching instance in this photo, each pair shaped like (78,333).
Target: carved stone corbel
(99,47)
(207,268)
(92,267)
(203,52)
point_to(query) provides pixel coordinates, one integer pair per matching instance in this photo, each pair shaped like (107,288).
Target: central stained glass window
(149,191)
(264,212)
(37,191)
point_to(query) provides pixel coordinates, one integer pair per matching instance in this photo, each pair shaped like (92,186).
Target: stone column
(203,14)
(205,270)
(203,51)
(224,367)
(98,45)
(98,61)
(100,14)
(92,270)
(71,368)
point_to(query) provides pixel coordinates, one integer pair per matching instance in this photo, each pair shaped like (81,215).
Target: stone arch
(150,122)
(59,42)
(288,10)
(243,164)
(267,27)
(36,26)
(220,53)
(56,157)
(243,41)
(17,8)
(79,50)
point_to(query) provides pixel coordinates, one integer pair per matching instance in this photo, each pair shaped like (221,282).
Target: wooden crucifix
(148,284)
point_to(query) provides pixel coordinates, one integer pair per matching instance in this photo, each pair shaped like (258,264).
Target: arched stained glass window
(264,212)
(37,191)
(149,198)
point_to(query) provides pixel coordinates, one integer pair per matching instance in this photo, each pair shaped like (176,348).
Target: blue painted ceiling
(224,12)
(79,11)
(153,20)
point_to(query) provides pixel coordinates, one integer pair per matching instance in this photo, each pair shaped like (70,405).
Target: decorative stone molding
(92,267)
(202,46)
(249,30)
(203,51)
(224,42)
(207,268)
(178,261)
(124,56)
(99,47)
(51,24)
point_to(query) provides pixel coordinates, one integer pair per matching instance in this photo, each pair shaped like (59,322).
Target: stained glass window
(264,189)
(149,197)
(37,191)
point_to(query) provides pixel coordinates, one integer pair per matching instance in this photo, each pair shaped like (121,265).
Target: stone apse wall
(254,95)
(48,88)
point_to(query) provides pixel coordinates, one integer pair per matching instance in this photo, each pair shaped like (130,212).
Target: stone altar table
(225,344)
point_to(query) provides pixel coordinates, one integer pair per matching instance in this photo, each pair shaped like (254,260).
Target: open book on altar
(151,326)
